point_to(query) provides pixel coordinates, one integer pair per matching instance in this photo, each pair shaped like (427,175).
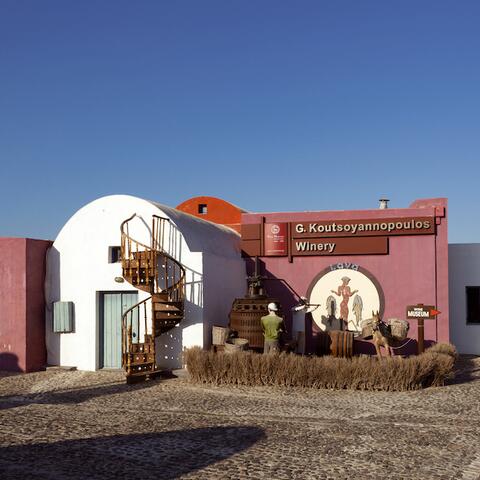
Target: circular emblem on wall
(275,229)
(347,295)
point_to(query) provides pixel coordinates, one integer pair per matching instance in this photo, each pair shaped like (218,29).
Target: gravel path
(91,425)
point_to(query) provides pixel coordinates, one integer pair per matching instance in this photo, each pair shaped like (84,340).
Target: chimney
(383,203)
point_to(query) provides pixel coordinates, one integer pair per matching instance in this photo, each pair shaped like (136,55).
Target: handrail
(126,221)
(136,241)
(140,243)
(157,247)
(125,329)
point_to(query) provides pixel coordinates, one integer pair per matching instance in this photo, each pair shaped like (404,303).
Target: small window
(63,316)
(202,208)
(114,254)
(473,304)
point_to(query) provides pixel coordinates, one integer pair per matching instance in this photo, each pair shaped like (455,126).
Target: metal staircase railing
(152,269)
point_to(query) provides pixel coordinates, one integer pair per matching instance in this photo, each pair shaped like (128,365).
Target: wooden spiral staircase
(151,269)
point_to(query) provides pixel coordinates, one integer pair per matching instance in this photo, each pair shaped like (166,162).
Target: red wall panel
(22,305)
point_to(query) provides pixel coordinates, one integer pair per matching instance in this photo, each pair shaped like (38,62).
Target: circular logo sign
(275,229)
(346,297)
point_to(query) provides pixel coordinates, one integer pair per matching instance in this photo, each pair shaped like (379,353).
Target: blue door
(113,305)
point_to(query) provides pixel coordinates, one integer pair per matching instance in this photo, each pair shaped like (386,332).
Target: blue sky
(272,105)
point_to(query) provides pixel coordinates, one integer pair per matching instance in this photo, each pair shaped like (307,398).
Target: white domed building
(176,274)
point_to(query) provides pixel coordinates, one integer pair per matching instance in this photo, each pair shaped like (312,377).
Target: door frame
(100,324)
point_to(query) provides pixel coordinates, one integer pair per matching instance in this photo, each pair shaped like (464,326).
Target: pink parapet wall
(22,304)
(439,206)
(413,269)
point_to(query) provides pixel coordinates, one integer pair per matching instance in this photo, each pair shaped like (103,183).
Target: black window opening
(473,304)
(202,208)
(114,254)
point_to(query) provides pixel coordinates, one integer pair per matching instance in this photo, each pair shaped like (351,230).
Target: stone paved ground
(83,425)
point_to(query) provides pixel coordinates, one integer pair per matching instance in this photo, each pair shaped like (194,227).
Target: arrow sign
(427,312)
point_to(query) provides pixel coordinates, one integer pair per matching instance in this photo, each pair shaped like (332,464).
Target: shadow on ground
(467,369)
(165,455)
(72,395)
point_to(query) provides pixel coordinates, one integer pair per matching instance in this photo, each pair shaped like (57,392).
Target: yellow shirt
(272,326)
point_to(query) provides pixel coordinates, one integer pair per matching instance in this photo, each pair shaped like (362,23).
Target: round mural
(346,297)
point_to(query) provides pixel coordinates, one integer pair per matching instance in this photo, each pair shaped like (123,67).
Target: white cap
(272,307)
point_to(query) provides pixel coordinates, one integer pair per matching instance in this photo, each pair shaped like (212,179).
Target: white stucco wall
(224,280)
(78,269)
(464,270)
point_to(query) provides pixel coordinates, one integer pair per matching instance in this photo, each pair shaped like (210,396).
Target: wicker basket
(219,335)
(367,328)
(231,348)
(237,345)
(241,342)
(399,328)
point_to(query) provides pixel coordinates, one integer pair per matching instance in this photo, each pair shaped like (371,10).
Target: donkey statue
(382,335)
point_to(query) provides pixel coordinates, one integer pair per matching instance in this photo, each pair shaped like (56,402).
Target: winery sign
(358,228)
(339,246)
(321,238)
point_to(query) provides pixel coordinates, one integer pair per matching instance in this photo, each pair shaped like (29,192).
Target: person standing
(272,326)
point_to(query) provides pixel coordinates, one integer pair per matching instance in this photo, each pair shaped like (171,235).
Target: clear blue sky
(272,105)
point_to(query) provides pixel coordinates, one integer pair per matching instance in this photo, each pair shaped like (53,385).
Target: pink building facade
(22,304)
(353,262)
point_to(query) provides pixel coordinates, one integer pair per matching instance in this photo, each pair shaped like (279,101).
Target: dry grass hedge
(431,368)
(445,348)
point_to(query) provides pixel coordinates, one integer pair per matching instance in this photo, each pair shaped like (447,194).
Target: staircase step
(143,282)
(140,358)
(164,330)
(170,322)
(168,316)
(160,297)
(142,367)
(142,254)
(132,266)
(141,376)
(141,347)
(143,263)
(137,264)
(139,275)
(167,307)
(163,327)
(140,282)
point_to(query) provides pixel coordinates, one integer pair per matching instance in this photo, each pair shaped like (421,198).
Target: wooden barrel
(341,343)
(323,343)
(245,319)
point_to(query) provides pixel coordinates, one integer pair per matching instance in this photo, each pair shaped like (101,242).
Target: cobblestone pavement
(91,425)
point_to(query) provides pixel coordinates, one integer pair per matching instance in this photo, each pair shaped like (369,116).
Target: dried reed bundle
(445,348)
(431,368)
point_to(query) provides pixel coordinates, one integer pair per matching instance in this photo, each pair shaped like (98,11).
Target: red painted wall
(22,304)
(218,211)
(414,271)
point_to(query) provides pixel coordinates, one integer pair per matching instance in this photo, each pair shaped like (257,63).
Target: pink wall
(414,271)
(22,304)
